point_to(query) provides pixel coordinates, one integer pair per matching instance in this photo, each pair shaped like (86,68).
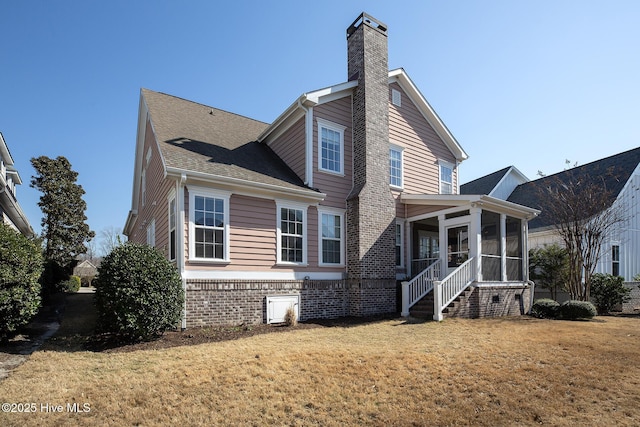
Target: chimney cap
(368,20)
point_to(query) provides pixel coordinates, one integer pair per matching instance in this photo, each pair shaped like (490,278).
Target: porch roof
(471,201)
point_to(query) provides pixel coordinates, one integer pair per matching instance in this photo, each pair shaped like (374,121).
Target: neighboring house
(86,271)
(10,211)
(620,174)
(352,188)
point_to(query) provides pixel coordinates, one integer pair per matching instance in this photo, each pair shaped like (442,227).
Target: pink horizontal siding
(336,187)
(290,147)
(253,233)
(156,203)
(422,147)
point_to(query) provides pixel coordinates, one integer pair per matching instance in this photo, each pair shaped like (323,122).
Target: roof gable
(614,171)
(197,138)
(311,99)
(484,184)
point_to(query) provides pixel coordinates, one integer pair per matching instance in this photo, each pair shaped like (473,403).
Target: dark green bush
(20,269)
(545,308)
(138,292)
(575,310)
(608,291)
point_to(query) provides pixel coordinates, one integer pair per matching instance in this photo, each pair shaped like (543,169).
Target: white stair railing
(445,291)
(419,286)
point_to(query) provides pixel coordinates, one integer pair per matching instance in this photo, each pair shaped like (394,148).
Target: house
(619,174)
(353,188)
(86,271)
(10,211)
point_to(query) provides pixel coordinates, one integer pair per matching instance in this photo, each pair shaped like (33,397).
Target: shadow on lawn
(77,330)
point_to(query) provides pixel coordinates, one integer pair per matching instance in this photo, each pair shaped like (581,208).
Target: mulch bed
(193,336)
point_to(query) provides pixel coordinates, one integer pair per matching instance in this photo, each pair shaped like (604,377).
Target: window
(331,147)
(331,232)
(396,97)
(172,228)
(399,245)
(209,225)
(513,227)
(291,235)
(395,167)
(446,178)
(144,186)
(151,233)
(615,260)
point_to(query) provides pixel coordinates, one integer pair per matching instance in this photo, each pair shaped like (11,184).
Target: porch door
(457,246)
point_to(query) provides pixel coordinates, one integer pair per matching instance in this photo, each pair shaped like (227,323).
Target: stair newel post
(405,299)
(437,301)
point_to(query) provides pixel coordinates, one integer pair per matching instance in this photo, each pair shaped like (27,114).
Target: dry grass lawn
(504,372)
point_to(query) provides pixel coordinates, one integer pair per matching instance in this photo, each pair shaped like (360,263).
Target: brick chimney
(370,207)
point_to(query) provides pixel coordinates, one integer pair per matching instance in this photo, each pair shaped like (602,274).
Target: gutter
(243,185)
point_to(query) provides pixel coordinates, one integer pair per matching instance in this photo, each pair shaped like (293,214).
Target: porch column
(475,240)
(442,243)
(503,246)
(525,251)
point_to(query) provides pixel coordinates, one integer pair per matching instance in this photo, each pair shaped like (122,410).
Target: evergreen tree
(64,227)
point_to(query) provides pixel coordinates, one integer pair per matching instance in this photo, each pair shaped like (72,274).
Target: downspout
(308,126)
(180,252)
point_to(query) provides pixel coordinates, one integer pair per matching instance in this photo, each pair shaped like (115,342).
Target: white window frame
(400,150)
(396,97)
(216,194)
(172,199)
(400,223)
(151,233)
(332,212)
(450,166)
(297,206)
(334,127)
(616,261)
(143,186)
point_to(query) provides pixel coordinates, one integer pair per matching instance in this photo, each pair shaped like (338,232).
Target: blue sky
(524,83)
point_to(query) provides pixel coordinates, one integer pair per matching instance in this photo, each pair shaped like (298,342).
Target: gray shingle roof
(199,138)
(484,185)
(614,171)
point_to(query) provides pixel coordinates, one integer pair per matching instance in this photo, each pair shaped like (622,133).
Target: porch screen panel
(491,261)
(514,249)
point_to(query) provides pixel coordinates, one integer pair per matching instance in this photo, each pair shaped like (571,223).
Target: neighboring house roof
(484,184)
(85,268)
(615,171)
(197,138)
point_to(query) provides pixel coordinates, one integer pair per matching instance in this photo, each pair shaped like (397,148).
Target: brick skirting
(493,301)
(232,302)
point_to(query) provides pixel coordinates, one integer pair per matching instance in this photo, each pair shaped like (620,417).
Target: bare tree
(91,255)
(584,214)
(110,238)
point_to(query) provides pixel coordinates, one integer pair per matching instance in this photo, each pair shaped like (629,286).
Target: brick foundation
(494,301)
(232,302)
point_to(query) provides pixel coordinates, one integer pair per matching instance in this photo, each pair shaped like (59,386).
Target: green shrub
(575,310)
(138,292)
(545,308)
(607,291)
(20,269)
(70,286)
